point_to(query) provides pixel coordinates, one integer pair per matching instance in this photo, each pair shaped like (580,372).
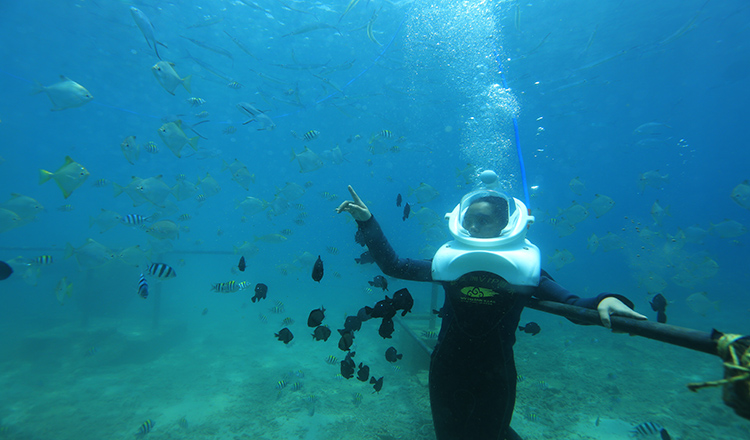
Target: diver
(488,271)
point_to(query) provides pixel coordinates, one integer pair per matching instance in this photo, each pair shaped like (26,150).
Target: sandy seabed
(107,378)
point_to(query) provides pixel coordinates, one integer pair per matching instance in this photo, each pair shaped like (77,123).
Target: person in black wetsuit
(488,272)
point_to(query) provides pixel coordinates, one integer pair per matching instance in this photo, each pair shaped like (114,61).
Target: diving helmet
(489,231)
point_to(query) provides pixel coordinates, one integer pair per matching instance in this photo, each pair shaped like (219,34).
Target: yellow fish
(9,220)
(168,77)
(174,138)
(130,149)
(68,177)
(63,290)
(164,229)
(65,94)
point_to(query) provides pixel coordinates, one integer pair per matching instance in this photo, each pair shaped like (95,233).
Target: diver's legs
(472,389)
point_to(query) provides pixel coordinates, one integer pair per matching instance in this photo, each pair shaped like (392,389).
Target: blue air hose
(517,136)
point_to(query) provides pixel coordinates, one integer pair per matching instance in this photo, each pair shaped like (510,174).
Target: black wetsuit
(472,371)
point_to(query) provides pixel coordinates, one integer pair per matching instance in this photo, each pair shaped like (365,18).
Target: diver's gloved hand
(613,306)
(356,208)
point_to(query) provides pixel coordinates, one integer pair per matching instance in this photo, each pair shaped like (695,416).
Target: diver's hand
(356,208)
(613,306)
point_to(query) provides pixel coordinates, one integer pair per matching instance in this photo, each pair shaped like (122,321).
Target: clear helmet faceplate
(489,228)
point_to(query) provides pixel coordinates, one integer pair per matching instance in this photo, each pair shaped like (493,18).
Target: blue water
(582,77)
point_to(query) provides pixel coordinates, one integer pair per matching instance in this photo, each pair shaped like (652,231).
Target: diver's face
(481,221)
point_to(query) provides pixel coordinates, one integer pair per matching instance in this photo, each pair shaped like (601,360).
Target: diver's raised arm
(356,207)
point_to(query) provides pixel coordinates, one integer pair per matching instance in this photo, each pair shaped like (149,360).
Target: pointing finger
(356,198)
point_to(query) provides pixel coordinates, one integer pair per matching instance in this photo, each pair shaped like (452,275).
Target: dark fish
(347,366)
(261,290)
(391,355)
(362,315)
(382,309)
(379,281)
(352,324)
(398,200)
(321,332)
(378,384)
(364,258)
(317,272)
(242,265)
(664,434)
(145,428)
(402,300)
(659,305)
(284,335)
(386,328)
(407,210)
(346,341)
(359,238)
(364,372)
(531,327)
(440,313)
(316,317)
(143,287)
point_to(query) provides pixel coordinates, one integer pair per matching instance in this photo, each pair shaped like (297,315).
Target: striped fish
(278,308)
(145,428)
(101,183)
(161,270)
(143,287)
(151,147)
(648,429)
(134,220)
(331,360)
(228,287)
(244,285)
(43,260)
(280,385)
(296,386)
(385,134)
(183,423)
(310,135)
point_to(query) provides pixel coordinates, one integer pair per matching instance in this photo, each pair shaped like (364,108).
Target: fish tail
(294,155)
(69,250)
(193,141)
(44,176)
(186,82)
(38,88)
(117,189)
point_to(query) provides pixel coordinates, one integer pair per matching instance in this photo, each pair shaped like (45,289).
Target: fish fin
(44,176)
(65,192)
(294,155)
(193,141)
(186,83)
